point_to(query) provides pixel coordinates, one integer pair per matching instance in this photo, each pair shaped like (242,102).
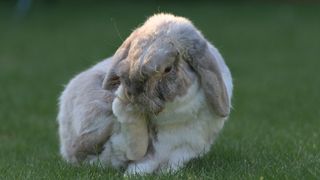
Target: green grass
(272,50)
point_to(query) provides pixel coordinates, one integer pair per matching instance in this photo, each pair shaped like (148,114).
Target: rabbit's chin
(148,106)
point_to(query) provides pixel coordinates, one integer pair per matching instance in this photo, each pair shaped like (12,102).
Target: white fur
(185,129)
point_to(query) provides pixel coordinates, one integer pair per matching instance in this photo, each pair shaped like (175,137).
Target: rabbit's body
(143,115)
(185,131)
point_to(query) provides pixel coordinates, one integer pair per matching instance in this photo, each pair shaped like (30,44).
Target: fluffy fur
(160,101)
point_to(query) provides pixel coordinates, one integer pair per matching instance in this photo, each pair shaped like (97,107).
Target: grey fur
(140,62)
(117,111)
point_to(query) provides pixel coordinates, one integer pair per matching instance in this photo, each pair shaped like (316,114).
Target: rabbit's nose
(135,89)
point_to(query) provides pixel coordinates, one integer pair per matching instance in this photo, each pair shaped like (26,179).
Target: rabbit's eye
(167,69)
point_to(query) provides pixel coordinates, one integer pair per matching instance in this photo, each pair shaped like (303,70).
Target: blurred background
(271,47)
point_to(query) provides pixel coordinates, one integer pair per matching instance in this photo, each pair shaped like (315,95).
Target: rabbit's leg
(90,142)
(129,143)
(75,147)
(113,154)
(145,166)
(94,128)
(133,126)
(136,136)
(177,160)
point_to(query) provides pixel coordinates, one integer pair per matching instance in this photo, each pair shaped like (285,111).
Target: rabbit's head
(160,60)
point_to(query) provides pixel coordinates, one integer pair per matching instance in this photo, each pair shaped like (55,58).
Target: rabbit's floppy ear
(112,80)
(206,66)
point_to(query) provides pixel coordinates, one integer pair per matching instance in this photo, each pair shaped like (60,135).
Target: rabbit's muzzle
(144,96)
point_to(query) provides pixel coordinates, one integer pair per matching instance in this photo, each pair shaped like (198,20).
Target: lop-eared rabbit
(158,102)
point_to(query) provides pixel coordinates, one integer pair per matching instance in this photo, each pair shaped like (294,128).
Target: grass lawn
(273,52)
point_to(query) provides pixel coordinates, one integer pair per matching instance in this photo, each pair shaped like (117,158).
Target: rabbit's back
(85,112)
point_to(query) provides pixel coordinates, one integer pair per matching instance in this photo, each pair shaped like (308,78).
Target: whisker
(116,28)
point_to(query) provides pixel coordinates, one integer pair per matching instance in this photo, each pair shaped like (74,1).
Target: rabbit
(158,102)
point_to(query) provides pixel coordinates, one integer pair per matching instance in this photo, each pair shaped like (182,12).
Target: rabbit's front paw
(141,168)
